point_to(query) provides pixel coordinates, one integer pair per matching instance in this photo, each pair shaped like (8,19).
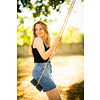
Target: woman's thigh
(53,94)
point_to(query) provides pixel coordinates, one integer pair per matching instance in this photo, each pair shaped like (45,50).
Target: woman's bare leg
(48,97)
(53,94)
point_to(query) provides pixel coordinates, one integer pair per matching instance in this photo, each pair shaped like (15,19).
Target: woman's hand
(57,41)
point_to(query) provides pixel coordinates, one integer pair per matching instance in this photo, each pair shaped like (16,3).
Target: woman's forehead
(38,26)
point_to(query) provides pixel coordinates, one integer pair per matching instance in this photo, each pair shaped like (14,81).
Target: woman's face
(39,30)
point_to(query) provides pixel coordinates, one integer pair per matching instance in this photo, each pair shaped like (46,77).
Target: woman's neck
(43,39)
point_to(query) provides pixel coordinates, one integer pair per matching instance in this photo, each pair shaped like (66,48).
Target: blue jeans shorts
(46,81)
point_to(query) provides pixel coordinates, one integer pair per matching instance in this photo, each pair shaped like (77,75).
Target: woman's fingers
(60,39)
(57,41)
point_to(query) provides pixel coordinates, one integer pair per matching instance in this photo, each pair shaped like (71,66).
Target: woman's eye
(39,29)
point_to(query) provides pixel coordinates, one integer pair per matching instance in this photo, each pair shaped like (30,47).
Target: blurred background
(68,63)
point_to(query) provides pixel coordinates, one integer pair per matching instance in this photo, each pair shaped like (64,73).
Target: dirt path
(66,71)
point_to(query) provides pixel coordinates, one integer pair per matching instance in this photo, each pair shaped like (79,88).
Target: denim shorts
(46,81)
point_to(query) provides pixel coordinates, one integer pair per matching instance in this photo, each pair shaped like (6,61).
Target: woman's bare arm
(40,47)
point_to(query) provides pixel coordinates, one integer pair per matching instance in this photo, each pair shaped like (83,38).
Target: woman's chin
(40,36)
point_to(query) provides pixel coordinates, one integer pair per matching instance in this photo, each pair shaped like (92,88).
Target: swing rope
(60,34)
(67,17)
(65,22)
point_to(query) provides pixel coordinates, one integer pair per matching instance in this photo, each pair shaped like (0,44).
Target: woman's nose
(38,31)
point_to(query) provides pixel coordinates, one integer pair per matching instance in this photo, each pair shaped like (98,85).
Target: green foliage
(71,35)
(23,36)
(41,7)
(25,4)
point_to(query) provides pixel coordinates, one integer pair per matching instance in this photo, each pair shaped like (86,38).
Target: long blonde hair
(47,36)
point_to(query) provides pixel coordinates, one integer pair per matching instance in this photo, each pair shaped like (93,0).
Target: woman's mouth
(39,34)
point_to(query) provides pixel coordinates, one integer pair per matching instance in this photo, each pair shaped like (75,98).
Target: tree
(37,8)
(41,6)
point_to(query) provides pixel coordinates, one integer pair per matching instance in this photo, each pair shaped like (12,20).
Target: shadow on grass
(76,91)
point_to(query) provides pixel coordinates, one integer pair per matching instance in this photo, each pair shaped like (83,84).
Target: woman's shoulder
(38,40)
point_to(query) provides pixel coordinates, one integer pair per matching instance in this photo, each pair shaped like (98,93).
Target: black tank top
(37,56)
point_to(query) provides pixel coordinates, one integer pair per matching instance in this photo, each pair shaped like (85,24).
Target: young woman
(41,50)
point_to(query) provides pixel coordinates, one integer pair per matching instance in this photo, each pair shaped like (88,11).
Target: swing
(33,81)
